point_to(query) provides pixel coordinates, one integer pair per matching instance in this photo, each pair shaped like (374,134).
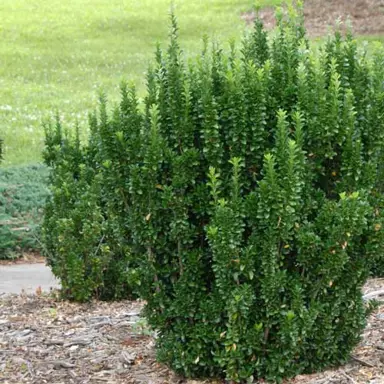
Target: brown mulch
(45,340)
(25,258)
(367,16)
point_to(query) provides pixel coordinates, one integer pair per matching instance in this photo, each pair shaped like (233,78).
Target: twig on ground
(61,364)
(77,342)
(353,381)
(30,369)
(325,380)
(362,362)
(54,342)
(373,294)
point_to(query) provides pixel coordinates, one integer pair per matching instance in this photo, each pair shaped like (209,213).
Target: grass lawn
(56,54)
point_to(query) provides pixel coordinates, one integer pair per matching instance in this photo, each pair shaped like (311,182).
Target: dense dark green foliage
(82,232)
(245,200)
(23,191)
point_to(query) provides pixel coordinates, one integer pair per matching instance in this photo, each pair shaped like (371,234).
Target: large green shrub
(255,267)
(247,193)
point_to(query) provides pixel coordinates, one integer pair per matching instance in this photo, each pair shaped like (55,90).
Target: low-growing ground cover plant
(23,193)
(242,201)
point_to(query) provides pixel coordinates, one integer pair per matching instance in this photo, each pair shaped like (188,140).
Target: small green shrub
(23,192)
(81,229)
(245,195)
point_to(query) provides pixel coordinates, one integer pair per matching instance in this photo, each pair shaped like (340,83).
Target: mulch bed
(25,258)
(367,16)
(46,340)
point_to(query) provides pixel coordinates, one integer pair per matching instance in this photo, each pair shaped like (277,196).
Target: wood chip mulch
(46,340)
(24,258)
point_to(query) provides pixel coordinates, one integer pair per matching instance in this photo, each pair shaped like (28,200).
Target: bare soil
(45,340)
(366,16)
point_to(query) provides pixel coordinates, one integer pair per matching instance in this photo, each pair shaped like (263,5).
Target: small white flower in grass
(6,107)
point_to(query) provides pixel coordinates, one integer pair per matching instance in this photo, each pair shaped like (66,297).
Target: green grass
(371,38)
(55,55)
(269,3)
